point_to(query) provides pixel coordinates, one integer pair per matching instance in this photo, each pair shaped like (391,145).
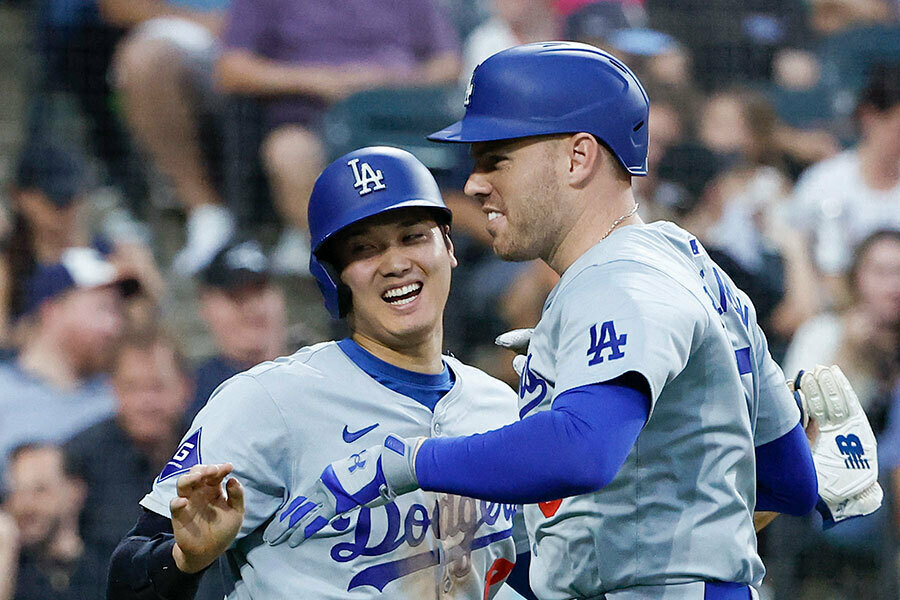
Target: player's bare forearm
(762,519)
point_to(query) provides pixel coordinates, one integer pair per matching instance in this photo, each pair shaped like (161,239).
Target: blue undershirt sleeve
(575,448)
(786,475)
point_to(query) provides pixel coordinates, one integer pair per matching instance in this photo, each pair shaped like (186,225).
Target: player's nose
(395,262)
(477,186)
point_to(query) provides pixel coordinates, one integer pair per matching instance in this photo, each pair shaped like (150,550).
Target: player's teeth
(493,215)
(402,291)
(403,301)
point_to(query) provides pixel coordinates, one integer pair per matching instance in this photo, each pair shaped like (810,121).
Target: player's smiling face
(516,183)
(397,266)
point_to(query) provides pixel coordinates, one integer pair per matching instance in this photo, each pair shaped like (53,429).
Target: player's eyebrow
(355,232)
(494,148)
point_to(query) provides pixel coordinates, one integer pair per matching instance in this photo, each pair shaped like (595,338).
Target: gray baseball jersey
(649,299)
(282,422)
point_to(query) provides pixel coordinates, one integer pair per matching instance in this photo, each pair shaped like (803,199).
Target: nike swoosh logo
(352,436)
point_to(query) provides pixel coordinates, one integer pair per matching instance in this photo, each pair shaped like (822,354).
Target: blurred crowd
(775,138)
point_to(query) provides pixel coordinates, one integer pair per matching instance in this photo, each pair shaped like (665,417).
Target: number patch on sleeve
(605,339)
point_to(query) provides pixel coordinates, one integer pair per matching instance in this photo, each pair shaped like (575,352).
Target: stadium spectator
(49,202)
(832,16)
(841,200)
(735,210)
(57,385)
(742,124)
(163,71)
(620,28)
(245,313)
(152,389)
(670,123)
(41,553)
(856,559)
(864,338)
(731,40)
(513,22)
(47,195)
(301,57)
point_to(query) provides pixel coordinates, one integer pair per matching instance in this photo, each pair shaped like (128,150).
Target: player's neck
(421,355)
(596,214)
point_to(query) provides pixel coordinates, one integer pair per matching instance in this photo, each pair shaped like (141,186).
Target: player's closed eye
(490,163)
(362,250)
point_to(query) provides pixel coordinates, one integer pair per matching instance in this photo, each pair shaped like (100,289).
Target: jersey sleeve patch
(606,340)
(187,455)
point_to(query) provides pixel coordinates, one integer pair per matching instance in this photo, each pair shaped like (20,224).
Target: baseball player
(382,259)
(653,420)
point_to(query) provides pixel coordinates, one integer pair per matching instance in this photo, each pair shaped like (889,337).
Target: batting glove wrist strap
(845,452)
(398,462)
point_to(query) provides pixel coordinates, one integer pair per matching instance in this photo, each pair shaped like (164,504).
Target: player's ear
(445,231)
(583,153)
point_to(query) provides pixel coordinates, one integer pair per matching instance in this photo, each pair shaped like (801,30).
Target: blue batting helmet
(358,185)
(556,87)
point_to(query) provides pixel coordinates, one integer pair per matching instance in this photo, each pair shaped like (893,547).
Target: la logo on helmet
(365,175)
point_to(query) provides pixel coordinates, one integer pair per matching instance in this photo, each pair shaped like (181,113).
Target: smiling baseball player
(654,422)
(382,258)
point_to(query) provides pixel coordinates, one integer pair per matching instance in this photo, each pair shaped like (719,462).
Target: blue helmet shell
(556,87)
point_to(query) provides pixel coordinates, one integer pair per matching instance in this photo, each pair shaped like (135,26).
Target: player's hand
(516,340)
(844,451)
(370,478)
(206,516)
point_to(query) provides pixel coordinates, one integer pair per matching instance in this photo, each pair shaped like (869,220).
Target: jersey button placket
(436,429)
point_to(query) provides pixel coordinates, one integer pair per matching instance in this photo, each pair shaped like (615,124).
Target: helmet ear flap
(335,293)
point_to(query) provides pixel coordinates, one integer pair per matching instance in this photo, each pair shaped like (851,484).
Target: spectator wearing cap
(41,553)
(245,313)
(48,198)
(47,195)
(841,200)
(57,385)
(119,457)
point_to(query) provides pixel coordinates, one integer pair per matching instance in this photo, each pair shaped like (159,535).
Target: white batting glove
(373,477)
(845,452)
(517,341)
